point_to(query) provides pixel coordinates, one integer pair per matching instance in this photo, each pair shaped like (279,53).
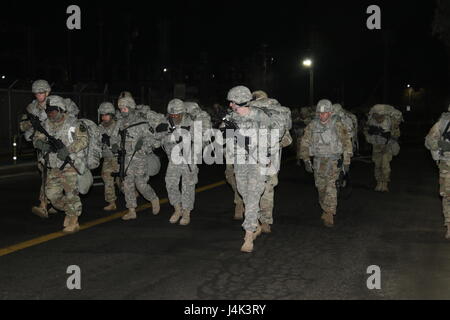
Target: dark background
(212,45)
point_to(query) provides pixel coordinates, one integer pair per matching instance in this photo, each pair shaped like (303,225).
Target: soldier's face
(41,96)
(54,115)
(176,118)
(324,116)
(242,111)
(106,118)
(124,110)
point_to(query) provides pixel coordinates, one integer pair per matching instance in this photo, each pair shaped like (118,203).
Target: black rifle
(106,139)
(121,154)
(377,131)
(343,181)
(55,144)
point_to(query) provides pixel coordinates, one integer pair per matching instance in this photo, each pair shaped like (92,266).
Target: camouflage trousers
(231,179)
(444,183)
(61,188)
(382,159)
(250,184)
(42,197)
(137,178)
(109,166)
(326,172)
(185,197)
(267,199)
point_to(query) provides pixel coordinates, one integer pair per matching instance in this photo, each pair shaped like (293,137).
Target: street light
(308,63)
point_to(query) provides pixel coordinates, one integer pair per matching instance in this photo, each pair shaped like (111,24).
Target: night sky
(348,57)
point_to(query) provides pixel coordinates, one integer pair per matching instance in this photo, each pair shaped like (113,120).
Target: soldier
(41,89)
(349,120)
(438,142)
(382,131)
(65,159)
(261,100)
(178,131)
(136,143)
(109,131)
(306,115)
(250,175)
(327,140)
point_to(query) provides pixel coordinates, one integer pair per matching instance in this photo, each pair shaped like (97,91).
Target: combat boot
(385,187)
(248,242)
(378,187)
(265,228)
(176,215)
(66,221)
(155,206)
(328,220)
(131,215)
(73,225)
(40,211)
(110,207)
(447,236)
(239,211)
(186,218)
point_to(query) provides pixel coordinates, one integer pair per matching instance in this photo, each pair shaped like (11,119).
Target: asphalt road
(401,232)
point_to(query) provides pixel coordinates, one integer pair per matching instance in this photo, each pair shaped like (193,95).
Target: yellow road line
(56,235)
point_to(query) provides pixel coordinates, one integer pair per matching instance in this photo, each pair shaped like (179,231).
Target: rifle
(55,144)
(377,131)
(343,181)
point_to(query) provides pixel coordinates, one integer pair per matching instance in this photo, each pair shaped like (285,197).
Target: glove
(444,145)
(42,145)
(308,166)
(115,148)
(163,127)
(347,168)
(106,139)
(62,154)
(139,145)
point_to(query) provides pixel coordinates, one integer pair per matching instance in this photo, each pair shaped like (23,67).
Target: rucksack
(280,115)
(94,149)
(153,118)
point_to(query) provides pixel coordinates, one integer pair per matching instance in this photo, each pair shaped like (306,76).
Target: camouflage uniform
(136,166)
(382,147)
(37,109)
(182,201)
(327,143)
(440,150)
(239,203)
(109,131)
(61,186)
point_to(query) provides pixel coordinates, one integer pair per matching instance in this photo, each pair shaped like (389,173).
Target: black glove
(62,154)
(308,166)
(163,127)
(106,139)
(43,146)
(444,145)
(115,148)
(139,145)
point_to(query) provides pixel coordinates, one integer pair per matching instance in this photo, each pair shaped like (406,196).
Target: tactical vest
(65,132)
(325,140)
(134,133)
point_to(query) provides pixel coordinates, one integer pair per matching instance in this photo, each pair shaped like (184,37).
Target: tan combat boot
(40,211)
(73,225)
(66,221)
(265,228)
(186,218)
(111,207)
(378,187)
(248,242)
(239,211)
(385,187)
(131,215)
(155,206)
(176,215)
(328,220)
